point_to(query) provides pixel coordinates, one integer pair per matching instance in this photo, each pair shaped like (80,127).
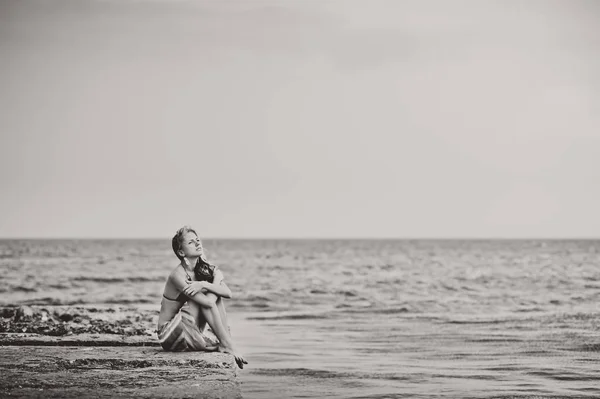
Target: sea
(362,318)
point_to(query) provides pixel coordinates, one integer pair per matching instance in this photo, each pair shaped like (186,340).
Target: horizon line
(321,238)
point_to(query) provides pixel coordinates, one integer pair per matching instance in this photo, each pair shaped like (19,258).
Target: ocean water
(362,318)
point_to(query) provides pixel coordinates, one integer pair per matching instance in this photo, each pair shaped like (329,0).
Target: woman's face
(191,246)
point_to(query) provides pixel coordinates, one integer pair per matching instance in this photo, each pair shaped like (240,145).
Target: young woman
(192,298)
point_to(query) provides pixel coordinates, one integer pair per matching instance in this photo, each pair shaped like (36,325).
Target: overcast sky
(300,118)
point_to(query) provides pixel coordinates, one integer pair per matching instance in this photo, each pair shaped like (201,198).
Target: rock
(85,339)
(24,313)
(129,330)
(8,313)
(58,320)
(141,372)
(45,352)
(66,317)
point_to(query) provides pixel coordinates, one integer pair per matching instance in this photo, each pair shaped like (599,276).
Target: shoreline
(102,351)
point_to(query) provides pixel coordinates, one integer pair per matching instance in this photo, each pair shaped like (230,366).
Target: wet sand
(85,351)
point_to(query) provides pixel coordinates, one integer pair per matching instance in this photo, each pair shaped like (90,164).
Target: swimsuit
(182,334)
(178,299)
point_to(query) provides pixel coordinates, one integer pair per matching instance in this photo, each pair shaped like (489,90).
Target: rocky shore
(110,351)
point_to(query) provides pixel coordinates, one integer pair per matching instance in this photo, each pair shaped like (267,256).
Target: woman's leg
(197,313)
(201,322)
(221,307)
(181,333)
(212,315)
(205,316)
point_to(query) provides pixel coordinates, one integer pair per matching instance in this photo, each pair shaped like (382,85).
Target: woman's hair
(204,271)
(178,240)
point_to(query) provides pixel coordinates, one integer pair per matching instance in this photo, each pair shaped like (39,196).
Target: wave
(326,374)
(53,301)
(298,372)
(501,339)
(256,302)
(495,321)
(255,306)
(591,278)
(402,309)
(254,298)
(100,279)
(347,293)
(48,301)
(289,317)
(587,348)
(21,288)
(526,310)
(59,286)
(130,301)
(562,375)
(348,308)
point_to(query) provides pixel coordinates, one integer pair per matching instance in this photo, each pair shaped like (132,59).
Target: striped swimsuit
(181,333)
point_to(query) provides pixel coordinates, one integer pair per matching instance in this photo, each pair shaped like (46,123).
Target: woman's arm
(182,285)
(220,289)
(220,281)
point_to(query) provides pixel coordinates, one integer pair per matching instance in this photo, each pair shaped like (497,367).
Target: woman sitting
(192,298)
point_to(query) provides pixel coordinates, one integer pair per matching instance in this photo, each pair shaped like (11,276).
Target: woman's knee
(208,304)
(213,297)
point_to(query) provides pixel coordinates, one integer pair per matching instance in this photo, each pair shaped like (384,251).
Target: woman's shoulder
(176,271)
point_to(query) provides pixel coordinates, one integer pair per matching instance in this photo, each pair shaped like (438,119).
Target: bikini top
(180,298)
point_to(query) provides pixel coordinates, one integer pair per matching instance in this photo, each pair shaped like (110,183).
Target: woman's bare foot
(238,358)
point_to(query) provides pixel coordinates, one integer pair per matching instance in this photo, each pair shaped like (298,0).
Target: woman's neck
(191,263)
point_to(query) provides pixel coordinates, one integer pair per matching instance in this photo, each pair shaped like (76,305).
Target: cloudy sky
(300,118)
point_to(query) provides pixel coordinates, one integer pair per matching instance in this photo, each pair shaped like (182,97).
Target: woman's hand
(193,288)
